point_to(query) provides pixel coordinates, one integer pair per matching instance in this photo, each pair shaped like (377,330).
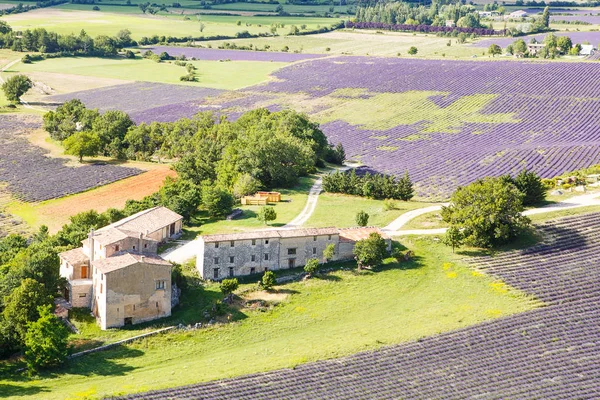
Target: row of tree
(376,186)
(42,41)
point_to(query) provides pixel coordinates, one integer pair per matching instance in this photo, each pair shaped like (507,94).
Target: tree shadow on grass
(8,391)
(102,363)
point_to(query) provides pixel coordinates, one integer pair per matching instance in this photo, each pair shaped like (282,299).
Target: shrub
(45,341)
(267,214)
(15,87)
(268,280)
(311,266)
(362,218)
(389,204)
(229,286)
(370,252)
(412,51)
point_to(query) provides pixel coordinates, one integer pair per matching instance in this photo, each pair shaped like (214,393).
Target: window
(117,248)
(314,250)
(232,243)
(267,241)
(253,242)
(216,260)
(82,295)
(266,256)
(134,247)
(329,237)
(216,273)
(160,285)
(231,272)
(216,245)
(252,270)
(100,288)
(231,259)
(145,245)
(314,238)
(253,258)
(291,252)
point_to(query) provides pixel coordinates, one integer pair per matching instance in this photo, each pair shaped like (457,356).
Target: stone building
(117,272)
(238,254)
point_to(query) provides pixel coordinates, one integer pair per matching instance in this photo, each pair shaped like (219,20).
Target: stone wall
(80,293)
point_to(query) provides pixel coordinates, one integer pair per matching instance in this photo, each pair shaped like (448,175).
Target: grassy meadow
(336,314)
(228,75)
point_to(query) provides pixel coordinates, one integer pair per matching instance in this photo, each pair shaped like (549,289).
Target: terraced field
(550,353)
(31,176)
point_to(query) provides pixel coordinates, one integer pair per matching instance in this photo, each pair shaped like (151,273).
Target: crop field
(31,176)
(109,23)
(551,352)
(593,37)
(396,303)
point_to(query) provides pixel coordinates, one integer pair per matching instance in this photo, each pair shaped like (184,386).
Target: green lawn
(338,314)
(64,21)
(293,202)
(340,210)
(213,74)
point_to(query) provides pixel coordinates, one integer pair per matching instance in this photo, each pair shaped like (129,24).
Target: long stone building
(247,253)
(117,272)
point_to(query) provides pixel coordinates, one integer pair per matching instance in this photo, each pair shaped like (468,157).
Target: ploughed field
(550,352)
(447,123)
(32,176)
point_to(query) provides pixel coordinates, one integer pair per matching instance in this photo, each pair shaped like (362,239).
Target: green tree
(494,50)
(311,266)
(218,202)
(453,237)
(46,341)
(362,218)
(268,280)
(545,18)
(111,127)
(370,252)
(21,307)
(184,197)
(82,144)
(564,44)
(244,185)
(70,117)
(487,212)
(228,286)
(412,51)
(519,47)
(15,87)
(329,252)
(267,214)
(532,187)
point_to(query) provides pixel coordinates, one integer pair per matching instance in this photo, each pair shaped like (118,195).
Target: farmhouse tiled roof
(75,256)
(126,259)
(109,235)
(359,233)
(270,234)
(149,220)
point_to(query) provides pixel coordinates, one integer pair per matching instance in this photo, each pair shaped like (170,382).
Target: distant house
(518,14)
(239,254)
(534,48)
(117,274)
(587,50)
(450,23)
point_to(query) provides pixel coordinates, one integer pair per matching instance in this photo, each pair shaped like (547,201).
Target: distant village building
(247,253)
(534,48)
(518,14)
(587,50)
(450,23)
(117,272)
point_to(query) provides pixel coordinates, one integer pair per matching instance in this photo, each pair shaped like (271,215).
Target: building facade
(117,273)
(240,254)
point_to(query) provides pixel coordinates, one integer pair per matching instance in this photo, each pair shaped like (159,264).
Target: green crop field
(337,314)
(211,74)
(66,21)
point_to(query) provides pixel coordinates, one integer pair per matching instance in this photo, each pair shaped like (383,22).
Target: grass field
(340,210)
(212,74)
(338,314)
(66,21)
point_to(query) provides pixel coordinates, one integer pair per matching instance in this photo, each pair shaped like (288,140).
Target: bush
(268,280)
(45,341)
(532,186)
(311,266)
(267,214)
(216,201)
(15,87)
(370,252)
(412,51)
(129,54)
(96,8)
(389,204)
(229,286)
(362,218)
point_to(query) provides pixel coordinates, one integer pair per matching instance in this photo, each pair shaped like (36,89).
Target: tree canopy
(370,252)
(15,87)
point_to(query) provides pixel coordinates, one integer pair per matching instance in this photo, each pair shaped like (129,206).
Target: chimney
(142,259)
(140,242)
(91,244)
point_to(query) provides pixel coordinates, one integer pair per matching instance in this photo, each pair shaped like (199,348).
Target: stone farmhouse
(239,254)
(117,272)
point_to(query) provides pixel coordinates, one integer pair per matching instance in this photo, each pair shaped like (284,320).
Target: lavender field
(31,176)
(143,100)
(549,353)
(593,37)
(233,55)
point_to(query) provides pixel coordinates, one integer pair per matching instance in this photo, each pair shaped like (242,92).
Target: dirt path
(394,228)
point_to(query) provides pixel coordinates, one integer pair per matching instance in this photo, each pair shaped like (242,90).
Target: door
(84,272)
(291,263)
(172,230)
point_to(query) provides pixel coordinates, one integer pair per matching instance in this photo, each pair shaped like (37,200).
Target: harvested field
(55,213)
(550,353)
(31,176)
(233,55)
